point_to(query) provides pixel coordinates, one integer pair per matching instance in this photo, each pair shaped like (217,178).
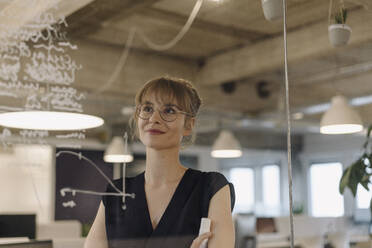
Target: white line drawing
(77,135)
(34,134)
(6,133)
(70,204)
(65,190)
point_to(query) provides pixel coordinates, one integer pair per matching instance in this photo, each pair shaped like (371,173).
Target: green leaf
(365,185)
(344,12)
(353,185)
(340,16)
(356,175)
(344,180)
(370,160)
(368,136)
(369,131)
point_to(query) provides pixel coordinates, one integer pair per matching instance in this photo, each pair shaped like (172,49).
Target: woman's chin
(159,145)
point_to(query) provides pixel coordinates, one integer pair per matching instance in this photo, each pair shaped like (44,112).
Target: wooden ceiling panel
(313,94)
(248,15)
(300,73)
(304,44)
(185,7)
(229,41)
(357,85)
(92,17)
(244,99)
(365,112)
(238,13)
(99,62)
(196,43)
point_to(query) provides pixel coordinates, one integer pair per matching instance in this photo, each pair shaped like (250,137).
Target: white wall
(27,181)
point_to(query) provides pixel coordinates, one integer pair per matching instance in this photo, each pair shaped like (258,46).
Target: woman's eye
(147,109)
(169,111)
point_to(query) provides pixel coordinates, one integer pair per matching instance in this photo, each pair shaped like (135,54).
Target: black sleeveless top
(179,225)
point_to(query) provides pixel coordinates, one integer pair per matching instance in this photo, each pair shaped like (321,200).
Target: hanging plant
(340,16)
(360,171)
(339,32)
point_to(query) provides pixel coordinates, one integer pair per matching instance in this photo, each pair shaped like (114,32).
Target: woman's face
(158,133)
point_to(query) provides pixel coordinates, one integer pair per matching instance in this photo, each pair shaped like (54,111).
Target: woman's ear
(189,125)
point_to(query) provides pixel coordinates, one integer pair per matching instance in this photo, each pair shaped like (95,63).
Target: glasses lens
(145,111)
(168,113)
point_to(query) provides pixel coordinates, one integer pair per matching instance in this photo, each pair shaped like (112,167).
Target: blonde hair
(178,89)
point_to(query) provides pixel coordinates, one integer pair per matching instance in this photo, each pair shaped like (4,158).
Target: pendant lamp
(118,152)
(273,9)
(49,120)
(226,146)
(340,118)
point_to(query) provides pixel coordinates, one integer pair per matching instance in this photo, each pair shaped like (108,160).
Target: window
(243,180)
(363,197)
(271,188)
(326,201)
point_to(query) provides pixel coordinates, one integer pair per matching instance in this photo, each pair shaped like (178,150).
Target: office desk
(29,244)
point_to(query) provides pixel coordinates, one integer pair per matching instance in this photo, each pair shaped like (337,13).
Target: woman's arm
(97,235)
(222,226)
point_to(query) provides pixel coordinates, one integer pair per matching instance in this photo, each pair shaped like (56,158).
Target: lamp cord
(288,115)
(329,12)
(178,37)
(119,66)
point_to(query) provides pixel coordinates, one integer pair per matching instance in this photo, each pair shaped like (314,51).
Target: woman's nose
(155,117)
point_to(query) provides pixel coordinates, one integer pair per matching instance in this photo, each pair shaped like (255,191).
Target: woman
(170,199)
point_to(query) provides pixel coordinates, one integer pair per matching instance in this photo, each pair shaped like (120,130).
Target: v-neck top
(180,222)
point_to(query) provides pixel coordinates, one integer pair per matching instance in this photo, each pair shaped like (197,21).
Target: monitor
(18,225)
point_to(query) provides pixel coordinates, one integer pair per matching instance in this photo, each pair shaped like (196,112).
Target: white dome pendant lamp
(118,151)
(49,120)
(340,118)
(273,9)
(226,146)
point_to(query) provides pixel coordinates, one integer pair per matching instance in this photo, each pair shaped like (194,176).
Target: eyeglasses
(167,112)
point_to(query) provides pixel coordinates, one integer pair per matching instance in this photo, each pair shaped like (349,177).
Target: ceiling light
(361,100)
(273,9)
(298,116)
(340,118)
(49,120)
(323,107)
(226,146)
(127,111)
(118,152)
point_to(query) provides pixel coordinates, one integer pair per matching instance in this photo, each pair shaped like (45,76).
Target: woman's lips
(154,131)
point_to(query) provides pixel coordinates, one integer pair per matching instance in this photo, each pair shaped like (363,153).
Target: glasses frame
(178,111)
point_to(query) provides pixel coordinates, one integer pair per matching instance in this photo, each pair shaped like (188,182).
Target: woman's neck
(163,167)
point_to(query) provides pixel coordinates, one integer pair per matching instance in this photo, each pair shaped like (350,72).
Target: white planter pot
(273,9)
(339,34)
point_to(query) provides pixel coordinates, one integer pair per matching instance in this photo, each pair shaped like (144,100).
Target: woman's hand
(199,240)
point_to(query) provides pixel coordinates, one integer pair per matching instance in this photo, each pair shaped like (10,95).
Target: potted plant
(273,9)
(339,33)
(360,171)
